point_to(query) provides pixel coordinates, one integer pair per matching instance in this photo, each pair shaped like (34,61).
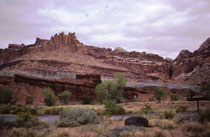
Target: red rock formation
(82,59)
(193,67)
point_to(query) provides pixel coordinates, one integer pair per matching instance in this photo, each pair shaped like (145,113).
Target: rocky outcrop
(193,67)
(73,56)
(82,86)
(137,121)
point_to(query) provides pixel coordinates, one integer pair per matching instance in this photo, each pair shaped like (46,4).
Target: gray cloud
(163,27)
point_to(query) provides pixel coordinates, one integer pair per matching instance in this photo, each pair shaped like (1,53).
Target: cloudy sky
(163,27)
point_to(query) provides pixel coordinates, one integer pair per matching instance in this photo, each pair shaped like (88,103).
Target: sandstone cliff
(193,67)
(64,54)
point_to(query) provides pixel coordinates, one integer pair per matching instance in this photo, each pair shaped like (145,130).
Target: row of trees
(51,99)
(111,90)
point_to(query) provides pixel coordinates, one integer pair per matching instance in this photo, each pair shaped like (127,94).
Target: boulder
(136,121)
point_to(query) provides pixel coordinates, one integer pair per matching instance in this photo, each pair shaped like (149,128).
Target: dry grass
(162,123)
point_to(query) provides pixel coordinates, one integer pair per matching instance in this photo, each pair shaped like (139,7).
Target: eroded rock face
(193,67)
(71,55)
(63,56)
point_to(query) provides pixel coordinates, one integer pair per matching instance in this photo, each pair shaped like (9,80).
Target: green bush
(29,99)
(112,90)
(87,100)
(5,110)
(160,94)
(6,96)
(111,108)
(53,110)
(77,116)
(146,109)
(181,109)
(25,108)
(167,114)
(26,119)
(49,97)
(174,97)
(64,97)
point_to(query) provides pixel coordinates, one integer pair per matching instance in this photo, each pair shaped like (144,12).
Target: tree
(6,96)
(112,90)
(160,94)
(64,96)
(49,97)
(174,97)
(29,99)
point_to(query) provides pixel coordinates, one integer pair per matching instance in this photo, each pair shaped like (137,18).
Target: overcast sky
(163,27)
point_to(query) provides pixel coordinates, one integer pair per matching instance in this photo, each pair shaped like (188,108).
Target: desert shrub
(194,127)
(5,109)
(167,114)
(87,100)
(49,97)
(111,108)
(181,109)
(22,132)
(117,132)
(29,99)
(64,97)
(163,124)
(6,96)
(159,94)
(112,90)
(206,114)
(174,97)
(25,108)
(60,134)
(159,134)
(146,109)
(53,110)
(77,116)
(27,119)
(151,99)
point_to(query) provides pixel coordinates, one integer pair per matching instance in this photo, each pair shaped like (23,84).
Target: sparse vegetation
(181,109)
(29,99)
(160,94)
(54,110)
(174,97)
(64,97)
(87,100)
(77,116)
(5,109)
(6,96)
(194,127)
(167,114)
(159,134)
(206,114)
(26,119)
(49,97)
(146,108)
(112,109)
(162,123)
(25,108)
(112,90)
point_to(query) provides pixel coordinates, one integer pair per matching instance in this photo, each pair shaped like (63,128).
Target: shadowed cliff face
(193,67)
